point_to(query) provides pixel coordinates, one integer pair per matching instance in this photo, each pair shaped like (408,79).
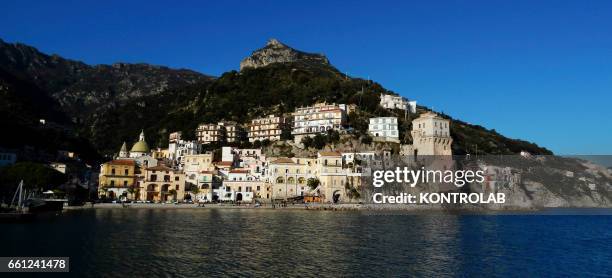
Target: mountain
(109,104)
(23,105)
(277,52)
(82,89)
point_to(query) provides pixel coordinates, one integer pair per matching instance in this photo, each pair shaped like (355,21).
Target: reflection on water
(211,242)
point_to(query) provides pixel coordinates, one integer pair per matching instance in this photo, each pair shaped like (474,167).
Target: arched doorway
(238,197)
(336,196)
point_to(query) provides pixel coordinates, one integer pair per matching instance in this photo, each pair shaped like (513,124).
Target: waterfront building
(116,178)
(269,128)
(331,176)
(243,186)
(430,136)
(384,129)
(194,165)
(397,102)
(319,118)
(207,182)
(289,176)
(162,184)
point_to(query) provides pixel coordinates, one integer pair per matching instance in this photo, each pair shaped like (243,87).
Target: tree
(257,144)
(173,193)
(313,183)
(286,133)
(351,191)
(319,141)
(366,139)
(333,136)
(35,176)
(132,190)
(307,142)
(194,190)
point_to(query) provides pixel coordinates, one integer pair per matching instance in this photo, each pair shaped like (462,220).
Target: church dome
(140,147)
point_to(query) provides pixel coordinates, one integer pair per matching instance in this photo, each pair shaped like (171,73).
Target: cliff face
(277,52)
(82,89)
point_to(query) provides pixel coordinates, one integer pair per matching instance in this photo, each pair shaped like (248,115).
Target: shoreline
(328,207)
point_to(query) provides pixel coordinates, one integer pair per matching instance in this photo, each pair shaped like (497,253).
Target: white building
(178,148)
(210,133)
(384,128)
(397,102)
(351,157)
(319,118)
(269,128)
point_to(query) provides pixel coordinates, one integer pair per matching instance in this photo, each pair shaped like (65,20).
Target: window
(125,183)
(258,188)
(113,171)
(176,178)
(125,172)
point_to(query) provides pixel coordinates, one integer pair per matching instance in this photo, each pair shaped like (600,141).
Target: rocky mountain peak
(277,52)
(274,43)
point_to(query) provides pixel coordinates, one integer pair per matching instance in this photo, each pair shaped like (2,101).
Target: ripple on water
(216,242)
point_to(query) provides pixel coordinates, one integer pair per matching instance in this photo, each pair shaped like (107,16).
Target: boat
(48,202)
(17,210)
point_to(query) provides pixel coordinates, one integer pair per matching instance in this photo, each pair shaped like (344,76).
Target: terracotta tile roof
(239,171)
(208,172)
(224,163)
(159,168)
(330,153)
(128,162)
(283,160)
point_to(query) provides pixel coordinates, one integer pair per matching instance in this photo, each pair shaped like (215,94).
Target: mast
(19,194)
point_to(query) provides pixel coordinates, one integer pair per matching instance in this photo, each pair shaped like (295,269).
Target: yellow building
(289,176)
(161,184)
(160,153)
(116,178)
(332,176)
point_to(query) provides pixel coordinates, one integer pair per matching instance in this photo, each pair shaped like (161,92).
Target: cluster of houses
(304,122)
(184,171)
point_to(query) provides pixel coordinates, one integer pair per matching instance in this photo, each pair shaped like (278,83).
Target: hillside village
(288,126)
(191,170)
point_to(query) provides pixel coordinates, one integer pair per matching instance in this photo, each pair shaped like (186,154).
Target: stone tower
(430,136)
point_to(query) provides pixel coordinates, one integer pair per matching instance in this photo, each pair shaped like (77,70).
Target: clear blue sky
(537,70)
